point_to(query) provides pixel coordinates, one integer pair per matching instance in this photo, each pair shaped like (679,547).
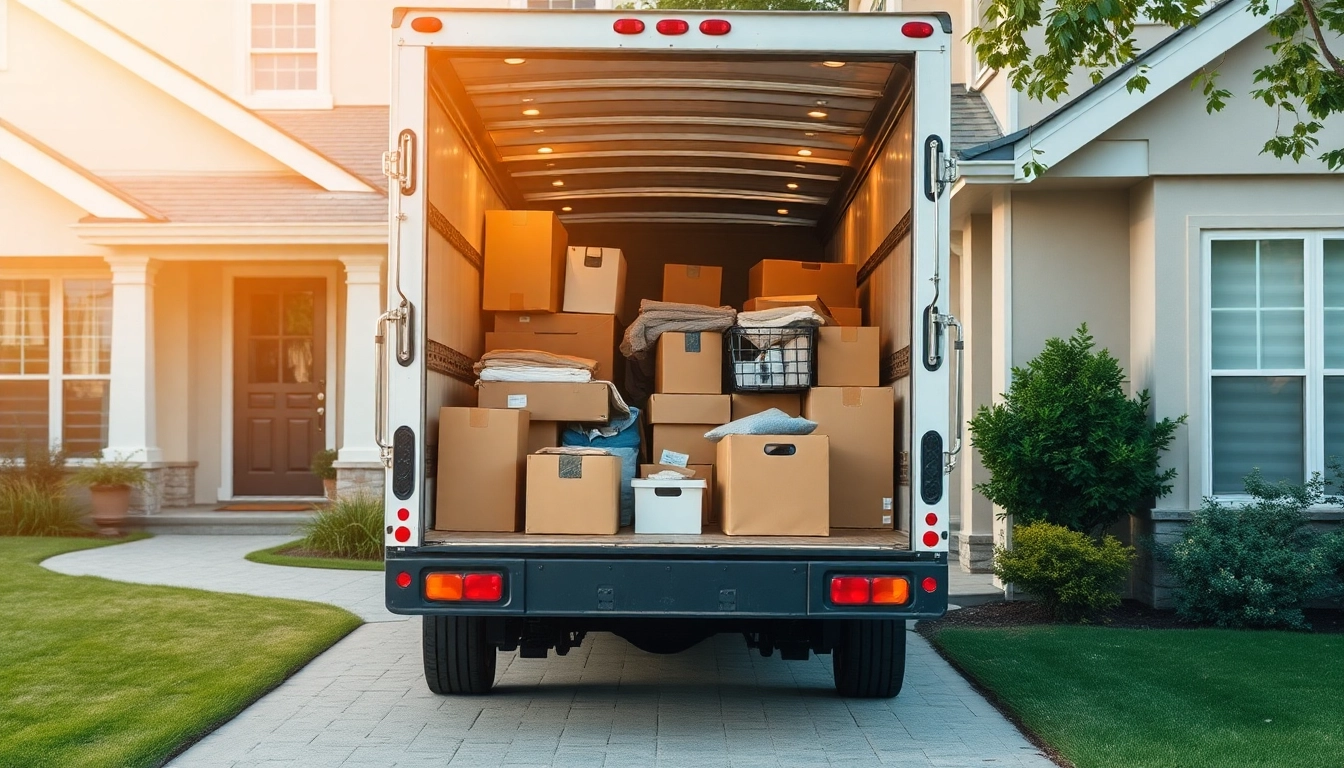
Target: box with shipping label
(524,262)
(697,471)
(592,336)
(861,424)
(745,405)
(834,284)
(682,444)
(594,280)
(481,462)
(692,284)
(544,434)
(774,485)
(669,506)
(689,364)
(848,357)
(573,494)
(690,409)
(548,400)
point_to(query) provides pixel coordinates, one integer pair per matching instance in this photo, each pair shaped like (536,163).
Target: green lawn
(100,673)
(274,556)
(1127,698)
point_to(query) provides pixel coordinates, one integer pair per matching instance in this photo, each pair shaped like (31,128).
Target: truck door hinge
(950,172)
(392,165)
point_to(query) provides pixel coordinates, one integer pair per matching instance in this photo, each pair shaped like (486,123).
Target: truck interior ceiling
(719,159)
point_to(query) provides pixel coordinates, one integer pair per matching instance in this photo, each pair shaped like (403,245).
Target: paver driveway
(364,702)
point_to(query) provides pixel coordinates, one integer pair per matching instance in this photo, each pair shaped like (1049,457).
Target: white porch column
(131,429)
(1001,324)
(363,305)
(975,540)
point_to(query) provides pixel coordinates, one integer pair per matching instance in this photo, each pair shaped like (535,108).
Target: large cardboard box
(594,280)
(592,336)
(861,424)
(544,434)
(481,463)
(692,284)
(524,261)
(686,439)
(835,284)
(745,405)
(573,494)
(700,471)
(689,364)
(548,401)
(690,409)
(848,357)
(774,485)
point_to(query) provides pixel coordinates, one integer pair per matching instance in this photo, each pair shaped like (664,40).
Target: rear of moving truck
(699,138)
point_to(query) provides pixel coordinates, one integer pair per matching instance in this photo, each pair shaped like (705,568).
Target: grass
(101,674)
(289,554)
(1113,698)
(351,528)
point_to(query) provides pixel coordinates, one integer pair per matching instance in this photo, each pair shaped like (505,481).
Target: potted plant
(110,484)
(322,466)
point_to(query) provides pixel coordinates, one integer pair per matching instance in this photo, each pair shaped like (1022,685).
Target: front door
(279,385)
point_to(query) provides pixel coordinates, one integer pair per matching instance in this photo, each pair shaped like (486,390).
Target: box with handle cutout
(774,485)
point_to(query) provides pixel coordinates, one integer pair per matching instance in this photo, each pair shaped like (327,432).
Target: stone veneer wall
(360,479)
(179,484)
(975,552)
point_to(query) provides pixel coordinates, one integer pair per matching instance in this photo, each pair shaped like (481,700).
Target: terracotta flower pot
(110,505)
(329,486)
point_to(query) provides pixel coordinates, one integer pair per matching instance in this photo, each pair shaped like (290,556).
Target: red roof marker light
(628,26)
(917,29)
(428,24)
(715,27)
(672,27)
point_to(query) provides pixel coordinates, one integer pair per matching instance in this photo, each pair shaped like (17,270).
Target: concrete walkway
(363,703)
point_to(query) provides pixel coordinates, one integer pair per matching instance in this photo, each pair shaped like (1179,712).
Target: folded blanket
(779,317)
(574,451)
(532,358)
(770,422)
(659,317)
(535,373)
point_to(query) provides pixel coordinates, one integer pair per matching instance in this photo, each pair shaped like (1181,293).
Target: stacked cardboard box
(692,284)
(481,463)
(861,425)
(680,423)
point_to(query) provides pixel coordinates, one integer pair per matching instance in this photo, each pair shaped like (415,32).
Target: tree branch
(1320,39)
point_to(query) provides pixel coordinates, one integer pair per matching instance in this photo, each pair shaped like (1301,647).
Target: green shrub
(352,527)
(1253,564)
(1072,575)
(110,473)
(43,465)
(322,464)
(1067,446)
(29,508)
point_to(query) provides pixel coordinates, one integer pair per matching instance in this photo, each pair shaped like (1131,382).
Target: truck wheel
(869,661)
(458,660)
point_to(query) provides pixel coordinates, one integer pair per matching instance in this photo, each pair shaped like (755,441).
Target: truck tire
(458,660)
(869,661)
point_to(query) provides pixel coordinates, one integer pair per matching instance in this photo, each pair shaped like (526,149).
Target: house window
(563,5)
(1276,356)
(55,364)
(284,53)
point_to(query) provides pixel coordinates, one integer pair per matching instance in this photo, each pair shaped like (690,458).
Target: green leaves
(1073,576)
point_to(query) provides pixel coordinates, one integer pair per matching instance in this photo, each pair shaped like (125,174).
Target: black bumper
(630,586)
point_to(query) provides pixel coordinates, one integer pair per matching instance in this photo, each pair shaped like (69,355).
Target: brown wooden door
(279,383)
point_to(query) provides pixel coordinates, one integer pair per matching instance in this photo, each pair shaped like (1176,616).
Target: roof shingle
(973,123)
(251,199)
(353,137)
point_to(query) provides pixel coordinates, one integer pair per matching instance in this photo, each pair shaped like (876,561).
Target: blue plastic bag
(621,439)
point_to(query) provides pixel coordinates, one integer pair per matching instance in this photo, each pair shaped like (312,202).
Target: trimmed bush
(1254,564)
(322,464)
(352,527)
(1072,575)
(1067,446)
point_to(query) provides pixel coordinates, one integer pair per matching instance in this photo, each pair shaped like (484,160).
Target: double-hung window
(286,54)
(55,363)
(1275,355)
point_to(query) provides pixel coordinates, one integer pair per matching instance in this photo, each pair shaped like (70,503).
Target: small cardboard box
(810,300)
(835,284)
(745,405)
(573,494)
(481,461)
(544,434)
(690,409)
(700,471)
(692,284)
(685,439)
(669,506)
(848,317)
(774,485)
(594,280)
(591,336)
(550,400)
(689,364)
(524,261)
(861,424)
(848,357)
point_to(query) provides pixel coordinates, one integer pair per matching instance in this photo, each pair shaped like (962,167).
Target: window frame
(320,98)
(1314,370)
(56,375)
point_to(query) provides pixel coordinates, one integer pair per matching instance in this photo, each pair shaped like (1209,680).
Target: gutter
(136,233)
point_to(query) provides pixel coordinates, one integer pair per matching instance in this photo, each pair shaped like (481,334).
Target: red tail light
(403,579)
(917,29)
(929,584)
(849,590)
(930,538)
(483,587)
(427,24)
(715,27)
(672,27)
(628,26)
(402,534)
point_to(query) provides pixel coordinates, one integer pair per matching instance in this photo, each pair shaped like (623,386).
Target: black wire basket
(771,359)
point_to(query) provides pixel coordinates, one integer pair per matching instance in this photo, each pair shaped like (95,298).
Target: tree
(1305,80)
(1067,446)
(740,5)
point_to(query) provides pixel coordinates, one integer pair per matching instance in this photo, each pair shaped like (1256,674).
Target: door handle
(321,419)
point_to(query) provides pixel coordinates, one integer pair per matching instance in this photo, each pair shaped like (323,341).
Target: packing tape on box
(849,334)
(693,272)
(692,341)
(851,397)
(478,418)
(571,467)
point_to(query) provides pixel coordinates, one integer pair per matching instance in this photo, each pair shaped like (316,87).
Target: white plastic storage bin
(668,506)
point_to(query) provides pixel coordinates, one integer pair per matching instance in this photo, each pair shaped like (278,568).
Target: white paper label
(886,519)
(517,401)
(524,318)
(886,503)
(674,459)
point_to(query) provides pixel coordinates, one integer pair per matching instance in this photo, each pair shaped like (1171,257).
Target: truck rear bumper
(641,587)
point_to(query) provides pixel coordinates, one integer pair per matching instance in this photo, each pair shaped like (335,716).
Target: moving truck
(702,138)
